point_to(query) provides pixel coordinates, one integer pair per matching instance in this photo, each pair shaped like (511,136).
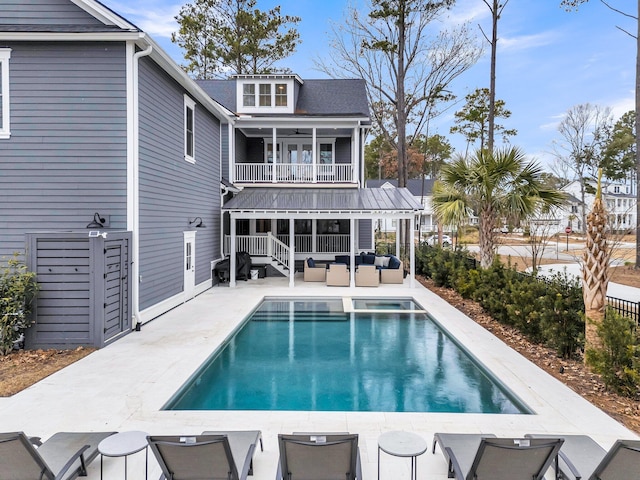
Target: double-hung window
(189,129)
(281,94)
(265,94)
(5,131)
(249,95)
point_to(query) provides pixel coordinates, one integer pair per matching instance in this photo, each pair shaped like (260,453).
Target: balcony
(293,173)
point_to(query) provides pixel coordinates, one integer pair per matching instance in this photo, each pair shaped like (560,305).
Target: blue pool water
(373,355)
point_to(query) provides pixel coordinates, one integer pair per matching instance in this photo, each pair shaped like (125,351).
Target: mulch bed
(572,373)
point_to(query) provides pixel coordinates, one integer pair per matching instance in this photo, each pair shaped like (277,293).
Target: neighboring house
(296,161)
(98,123)
(422,193)
(620,202)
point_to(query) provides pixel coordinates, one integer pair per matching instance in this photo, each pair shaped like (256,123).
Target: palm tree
(497,185)
(595,269)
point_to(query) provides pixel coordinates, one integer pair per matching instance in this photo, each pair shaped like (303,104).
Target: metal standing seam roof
(343,200)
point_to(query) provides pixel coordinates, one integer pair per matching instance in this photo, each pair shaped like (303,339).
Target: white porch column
(314,155)
(355,160)
(232,252)
(274,155)
(412,256)
(314,235)
(232,152)
(292,253)
(399,221)
(352,257)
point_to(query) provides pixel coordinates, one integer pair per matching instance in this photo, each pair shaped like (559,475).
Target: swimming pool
(343,354)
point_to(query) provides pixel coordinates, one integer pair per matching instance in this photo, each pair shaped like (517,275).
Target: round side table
(402,444)
(124,444)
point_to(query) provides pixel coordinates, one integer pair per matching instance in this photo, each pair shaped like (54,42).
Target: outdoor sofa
(390,267)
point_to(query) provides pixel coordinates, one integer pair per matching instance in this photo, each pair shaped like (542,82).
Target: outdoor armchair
(313,273)
(367,276)
(338,275)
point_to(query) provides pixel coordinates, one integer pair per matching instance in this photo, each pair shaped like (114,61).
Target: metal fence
(626,308)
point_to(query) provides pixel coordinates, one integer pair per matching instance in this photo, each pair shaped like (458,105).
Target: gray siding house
(98,124)
(294,156)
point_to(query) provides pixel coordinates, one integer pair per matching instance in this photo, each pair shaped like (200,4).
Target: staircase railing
(261,246)
(278,250)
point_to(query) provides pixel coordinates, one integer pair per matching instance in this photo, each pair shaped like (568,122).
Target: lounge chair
(311,456)
(243,446)
(204,456)
(338,275)
(582,458)
(64,456)
(472,456)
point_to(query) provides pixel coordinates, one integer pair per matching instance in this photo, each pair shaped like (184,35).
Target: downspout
(223,193)
(133,223)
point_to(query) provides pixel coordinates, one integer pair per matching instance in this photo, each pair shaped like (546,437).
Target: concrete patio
(123,387)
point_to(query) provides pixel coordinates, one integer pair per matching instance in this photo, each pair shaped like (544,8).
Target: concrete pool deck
(123,386)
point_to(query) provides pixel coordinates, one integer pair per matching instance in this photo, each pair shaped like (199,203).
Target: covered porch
(351,213)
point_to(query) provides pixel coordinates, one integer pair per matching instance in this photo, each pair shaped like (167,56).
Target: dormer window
(266,94)
(281,94)
(249,95)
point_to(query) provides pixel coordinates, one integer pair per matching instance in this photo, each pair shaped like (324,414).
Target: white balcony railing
(293,173)
(323,244)
(258,245)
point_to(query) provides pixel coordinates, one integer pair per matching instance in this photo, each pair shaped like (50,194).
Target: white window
(265,94)
(269,152)
(249,95)
(189,129)
(5,131)
(326,153)
(616,189)
(281,95)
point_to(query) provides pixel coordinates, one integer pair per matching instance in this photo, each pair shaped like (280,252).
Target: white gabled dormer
(267,94)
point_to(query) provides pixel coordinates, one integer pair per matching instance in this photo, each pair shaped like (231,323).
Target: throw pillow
(311,263)
(380,261)
(394,262)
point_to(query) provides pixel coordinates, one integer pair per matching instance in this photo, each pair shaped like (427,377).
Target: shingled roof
(321,97)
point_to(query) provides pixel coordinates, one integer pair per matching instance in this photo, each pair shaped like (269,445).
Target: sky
(548,60)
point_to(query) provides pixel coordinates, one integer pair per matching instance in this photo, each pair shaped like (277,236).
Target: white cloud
(466,11)
(153,17)
(623,105)
(525,42)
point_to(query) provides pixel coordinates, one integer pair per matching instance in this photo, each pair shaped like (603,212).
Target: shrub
(618,361)
(18,288)
(561,319)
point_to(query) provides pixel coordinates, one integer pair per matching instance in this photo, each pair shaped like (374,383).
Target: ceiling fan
(297,132)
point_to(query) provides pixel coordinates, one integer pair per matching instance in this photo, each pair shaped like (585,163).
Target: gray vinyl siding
(343,150)
(44,12)
(365,234)
(66,157)
(173,190)
(254,150)
(224,150)
(243,145)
